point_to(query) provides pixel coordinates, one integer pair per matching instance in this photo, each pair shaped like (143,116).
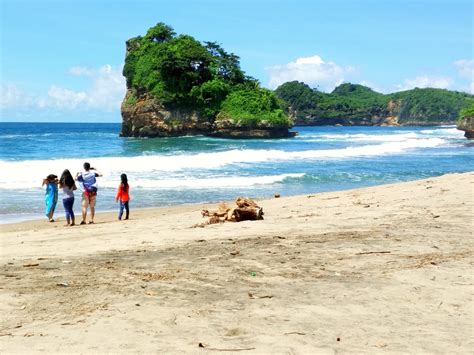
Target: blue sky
(61,60)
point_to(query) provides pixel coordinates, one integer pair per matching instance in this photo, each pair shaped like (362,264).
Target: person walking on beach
(51,195)
(89,193)
(66,182)
(123,196)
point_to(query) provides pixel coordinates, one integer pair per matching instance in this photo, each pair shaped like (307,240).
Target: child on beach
(51,195)
(123,196)
(66,182)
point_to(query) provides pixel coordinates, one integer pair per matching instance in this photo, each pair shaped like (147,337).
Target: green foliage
(355,90)
(160,33)
(225,66)
(182,72)
(467,112)
(210,95)
(131,100)
(253,107)
(431,104)
(358,104)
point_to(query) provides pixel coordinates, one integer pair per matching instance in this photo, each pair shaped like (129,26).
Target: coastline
(385,268)
(166,172)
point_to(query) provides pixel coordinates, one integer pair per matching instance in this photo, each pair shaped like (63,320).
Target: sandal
(82,222)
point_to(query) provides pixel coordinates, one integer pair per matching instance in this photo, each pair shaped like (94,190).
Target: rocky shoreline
(466,124)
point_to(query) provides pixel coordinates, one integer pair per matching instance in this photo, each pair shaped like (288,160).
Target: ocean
(184,170)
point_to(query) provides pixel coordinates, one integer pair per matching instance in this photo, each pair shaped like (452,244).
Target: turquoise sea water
(183,170)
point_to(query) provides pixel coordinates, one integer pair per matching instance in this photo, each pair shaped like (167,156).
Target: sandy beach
(386,269)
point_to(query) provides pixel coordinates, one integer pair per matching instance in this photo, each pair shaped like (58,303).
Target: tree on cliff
(160,33)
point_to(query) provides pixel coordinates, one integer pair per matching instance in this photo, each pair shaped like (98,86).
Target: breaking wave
(29,173)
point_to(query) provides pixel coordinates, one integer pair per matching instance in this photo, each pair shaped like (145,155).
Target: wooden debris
(254,296)
(30,264)
(247,210)
(373,252)
(298,333)
(201,345)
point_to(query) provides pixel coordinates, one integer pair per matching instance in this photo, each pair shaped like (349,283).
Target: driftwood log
(246,210)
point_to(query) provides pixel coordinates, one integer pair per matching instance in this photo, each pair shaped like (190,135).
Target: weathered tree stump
(247,210)
(248,214)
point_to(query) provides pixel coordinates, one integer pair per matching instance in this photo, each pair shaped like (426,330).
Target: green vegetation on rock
(467,112)
(183,73)
(252,108)
(466,121)
(351,104)
(425,105)
(130,100)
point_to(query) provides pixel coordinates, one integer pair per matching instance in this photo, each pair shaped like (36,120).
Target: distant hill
(353,104)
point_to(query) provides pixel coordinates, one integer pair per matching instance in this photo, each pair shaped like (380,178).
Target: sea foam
(29,173)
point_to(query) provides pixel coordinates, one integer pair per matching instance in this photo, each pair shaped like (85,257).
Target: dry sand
(386,269)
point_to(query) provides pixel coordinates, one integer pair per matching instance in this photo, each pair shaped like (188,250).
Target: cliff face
(466,124)
(144,116)
(230,129)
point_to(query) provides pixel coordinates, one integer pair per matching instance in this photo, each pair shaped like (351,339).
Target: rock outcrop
(144,116)
(466,124)
(229,129)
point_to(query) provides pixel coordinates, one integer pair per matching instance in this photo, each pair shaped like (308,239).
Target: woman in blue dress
(51,195)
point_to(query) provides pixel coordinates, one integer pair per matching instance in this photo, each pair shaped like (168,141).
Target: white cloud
(62,99)
(425,81)
(466,71)
(108,89)
(105,93)
(81,71)
(314,71)
(11,97)
(465,68)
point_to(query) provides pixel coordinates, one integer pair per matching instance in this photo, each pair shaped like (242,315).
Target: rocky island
(179,86)
(353,104)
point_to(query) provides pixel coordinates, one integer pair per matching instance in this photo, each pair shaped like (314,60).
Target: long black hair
(124,181)
(66,179)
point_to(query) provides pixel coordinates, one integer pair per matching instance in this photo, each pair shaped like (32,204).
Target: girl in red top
(123,196)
